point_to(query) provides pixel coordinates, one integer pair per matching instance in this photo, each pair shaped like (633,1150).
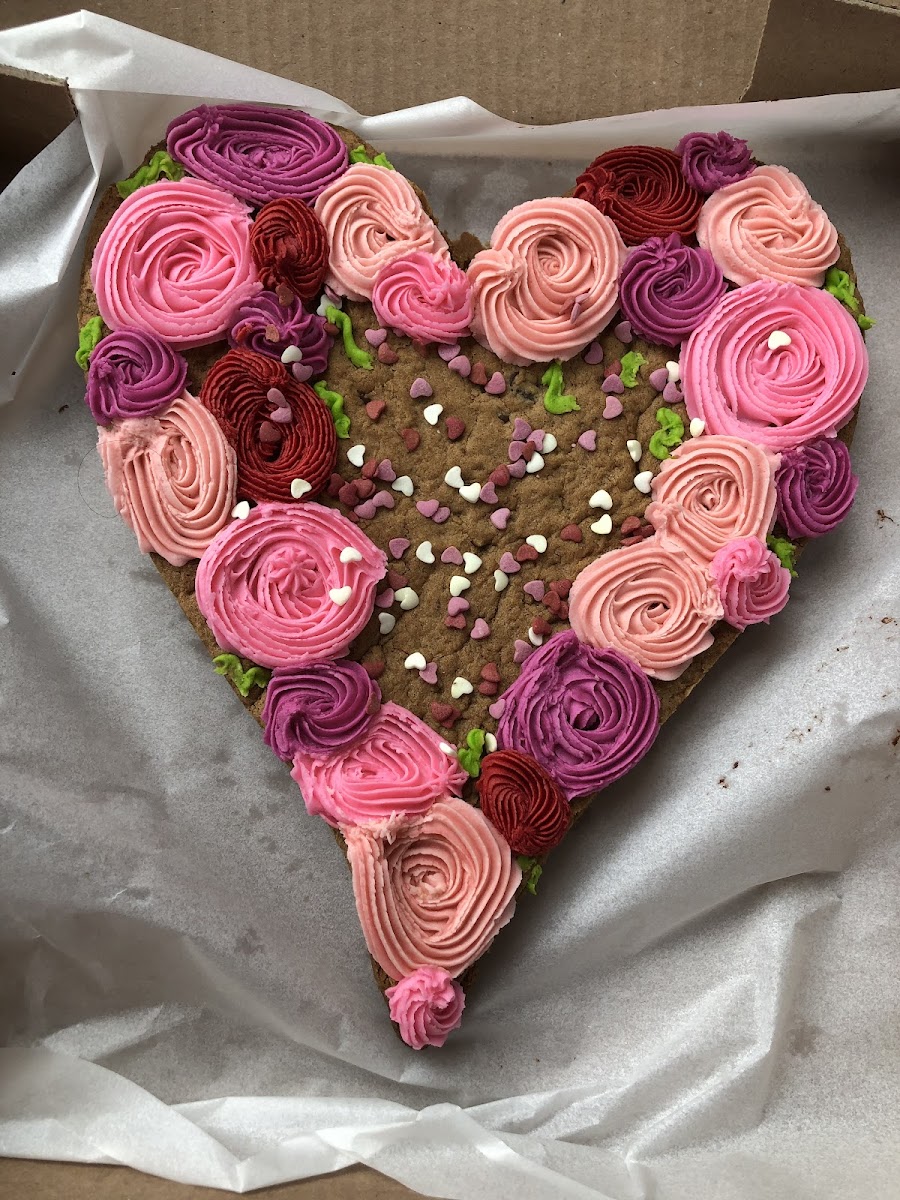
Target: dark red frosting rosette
(289,246)
(643,191)
(270,455)
(522,802)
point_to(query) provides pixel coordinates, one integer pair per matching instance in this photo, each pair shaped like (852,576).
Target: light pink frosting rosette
(172,478)
(767,226)
(712,490)
(424,297)
(372,215)
(752,582)
(273,588)
(549,282)
(175,260)
(397,767)
(651,601)
(427,1006)
(738,384)
(433,892)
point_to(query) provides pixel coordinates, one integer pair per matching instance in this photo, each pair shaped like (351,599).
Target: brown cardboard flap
(33,110)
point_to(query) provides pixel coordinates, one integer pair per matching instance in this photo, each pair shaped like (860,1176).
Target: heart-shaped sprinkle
(441,515)
(571,533)
(516,450)
(508,564)
(499,477)
(642,481)
(526,553)
(499,518)
(386,622)
(457,605)
(432,412)
(374,409)
(411,439)
(386,471)
(536,438)
(429,674)
(697,426)
(674,370)
(370,469)
(366,511)
(496,709)
(659,378)
(612,385)
(521,430)
(496,385)
(424,552)
(457,622)
(364,488)
(269,434)
(672,393)
(623,332)
(517,469)
(407,598)
(348,494)
(299,487)
(341,595)
(241,510)
(301,371)
(375,336)
(603,526)
(356,455)
(613,408)
(386,355)
(535,464)
(447,353)
(452,555)
(427,507)
(537,541)
(276,396)
(455,428)
(634,449)
(501,581)
(536,639)
(420,389)
(461,366)
(479,375)
(396,580)
(588,440)
(470,492)
(385,599)
(480,630)
(521,650)
(459,584)
(488,493)
(471,562)
(601,499)
(291,354)
(535,589)
(593,356)
(414,662)
(383,499)
(350,554)
(445,746)
(777,339)
(460,687)
(453,478)
(549,444)
(404,485)
(284,416)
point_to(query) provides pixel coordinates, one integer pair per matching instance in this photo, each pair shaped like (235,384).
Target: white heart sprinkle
(778,338)
(458,585)
(471,562)
(697,426)
(535,463)
(350,554)
(471,491)
(407,597)
(291,355)
(549,444)
(341,595)
(299,487)
(501,580)
(601,499)
(634,449)
(403,484)
(447,748)
(642,481)
(415,662)
(535,638)
(323,305)
(538,541)
(674,370)
(460,687)
(424,553)
(432,412)
(357,455)
(603,526)
(490,743)
(386,622)
(454,477)
(241,510)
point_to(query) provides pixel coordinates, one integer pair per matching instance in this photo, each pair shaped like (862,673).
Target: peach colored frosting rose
(397,766)
(372,215)
(427,1006)
(175,260)
(172,478)
(426,298)
(549,282)
(433,892)
(767,226)
(651,601)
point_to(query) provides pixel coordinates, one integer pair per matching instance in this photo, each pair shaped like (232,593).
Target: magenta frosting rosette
(266,326)
(318,709)
(667,288)
(427,1006)
(815,487)
(709,161)
(586,715)
(133,373)
(752,583)
(427,298)
(258,153)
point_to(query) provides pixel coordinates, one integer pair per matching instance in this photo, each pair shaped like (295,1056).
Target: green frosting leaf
(531,872)
(470,755)
(335,402)
(669,435)
(230,666)
(359,358)
(784,551)
(631,364)
(841,287)
(160,164)
(88,336)
(554,401)
(864,322)
(380,160)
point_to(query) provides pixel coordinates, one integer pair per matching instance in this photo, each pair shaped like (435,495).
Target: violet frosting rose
(133,373)
(815,488)
(712,160)
(752,583)
(427,1006)
(587,715)
(667,288)
(318,708)
(266,326)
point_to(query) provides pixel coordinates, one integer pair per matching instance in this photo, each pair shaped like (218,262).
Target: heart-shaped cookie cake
(464,524)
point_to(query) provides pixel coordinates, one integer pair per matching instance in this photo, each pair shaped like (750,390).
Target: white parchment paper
(703,999)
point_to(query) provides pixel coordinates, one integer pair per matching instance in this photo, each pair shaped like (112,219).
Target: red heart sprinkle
(396,580)
(386,355)
(411,439)
(364,488)
(541,627)
(374,668)
(455,428)
(489,671)
(369,469)
(374,409)
(571,533)
(455,622)
(526,553)
(499,477)
(562,587)
(479,375)
(488,689)
(349,495)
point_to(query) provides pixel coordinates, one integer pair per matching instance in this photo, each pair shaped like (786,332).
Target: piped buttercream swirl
(132,373)
(752,583)
(712,160)
(427,1006)
(521,799)
(816,486)
(318,709)
(289,247)
(643,190)
(424,297)
(667,288)
(266,326)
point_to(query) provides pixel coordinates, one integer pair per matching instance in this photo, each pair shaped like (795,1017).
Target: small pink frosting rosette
(427,1006)
(651,601)
(767,226)
(752,582)
(549,282)
(712,490)
(776,364)
(396,768)
(175,260)
(372,215)
(273,586)
(424,297)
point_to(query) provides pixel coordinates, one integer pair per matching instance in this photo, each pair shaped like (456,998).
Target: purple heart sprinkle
(274,396)
(301,371)
(427,507)
(420,389)
(366,511)
(452,555)
(496,709)
(385,599)
(613,408)
(488,493)
(516,450)
(282,415)
(659,378)
(496,385)
(612,384)
(508,564)
(441,515)
(269,434)
(386,471)
(461,366)
(536,437)
(383,499)
(480,630)
(375,336)
(623,332)
(535,589)
(521,650)
(593,356)
(517,469)
(499,517)
(672,393)
(429,674)
(399,546)
(588,440)
(457,605)
(448,352)
(521,429)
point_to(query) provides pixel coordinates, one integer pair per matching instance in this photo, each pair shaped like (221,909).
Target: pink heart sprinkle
(385,599)
(282,415)
(499,517)
(301,371)
(488,493)
(588,440)
(613,408)
(375,336)
(448,353)
(383,499)
(269,434)
(536,437)
(386,471)
(457,605)
(480,630)
(521,650)
(508,564)
(623,332)
(441,515)
(659,378)
(496,709)
(672,393)
(612,384)
(399,546)
(496,385)
(461,366)
(521,429)
(451,555)
(429,674)
(535,589)
(366,510)
(593,356)
(420,389)
(517,469)
(274,396)
(427,507)
(516,450)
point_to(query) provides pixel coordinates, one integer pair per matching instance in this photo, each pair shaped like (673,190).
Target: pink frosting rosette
(396,767)
(767,226)
(427,1006)
(175,260)
(434,891)
(741,377)
(426,298)
(289,584)
(752,582)
(548,284)
(712,490)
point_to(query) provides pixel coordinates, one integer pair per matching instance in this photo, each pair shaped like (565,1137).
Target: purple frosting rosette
(258,153)
(586,715)
(710,161)
(814,486)
(265,325)
(133,373)
(319,709)
(667,288)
